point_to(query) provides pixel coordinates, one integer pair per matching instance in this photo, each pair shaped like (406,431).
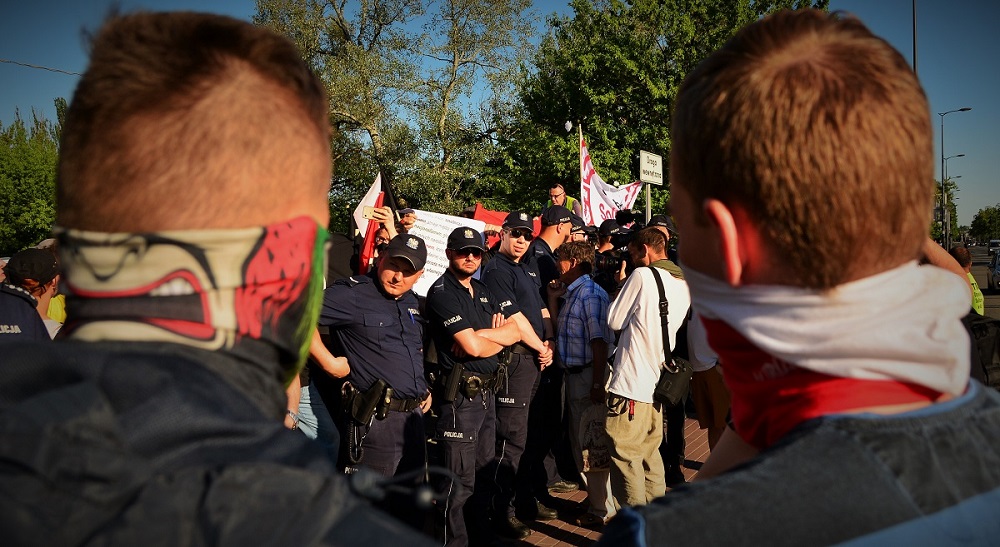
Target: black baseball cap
(662,220)
(610,227)
(578,224)
(556,214)
(464,237)
(35,264)
(518,219)
(411,248)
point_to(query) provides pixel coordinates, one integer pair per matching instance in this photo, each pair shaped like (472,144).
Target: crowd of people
(208,385)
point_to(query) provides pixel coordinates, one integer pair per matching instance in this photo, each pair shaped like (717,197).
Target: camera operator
(611,261)
(635,420)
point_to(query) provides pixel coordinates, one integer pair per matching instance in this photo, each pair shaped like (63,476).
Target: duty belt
(487,379)
(522,349)
(404,405)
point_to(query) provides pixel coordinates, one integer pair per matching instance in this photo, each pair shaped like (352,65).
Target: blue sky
(958,55)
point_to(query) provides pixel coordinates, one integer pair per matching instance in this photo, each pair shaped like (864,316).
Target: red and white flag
(373,198)
(601,200)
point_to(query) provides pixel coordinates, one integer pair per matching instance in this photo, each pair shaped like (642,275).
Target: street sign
(650,168)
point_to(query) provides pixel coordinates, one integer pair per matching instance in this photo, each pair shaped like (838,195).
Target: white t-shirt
(636,313)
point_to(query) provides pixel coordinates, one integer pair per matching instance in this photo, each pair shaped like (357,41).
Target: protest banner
(434,229)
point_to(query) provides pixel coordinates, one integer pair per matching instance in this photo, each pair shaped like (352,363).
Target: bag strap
(668,357)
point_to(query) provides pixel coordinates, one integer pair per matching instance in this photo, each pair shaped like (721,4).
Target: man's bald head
(187,121)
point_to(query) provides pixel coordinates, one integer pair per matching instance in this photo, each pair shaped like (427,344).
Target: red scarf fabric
(770,397)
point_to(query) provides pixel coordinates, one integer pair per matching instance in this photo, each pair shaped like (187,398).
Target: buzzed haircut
(821,133)
(186,105)
(650,237)
(581,251)
(961,255)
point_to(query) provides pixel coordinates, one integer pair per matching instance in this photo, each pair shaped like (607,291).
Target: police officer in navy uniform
(374,321)
(537,471)
(468,331)
(514,280)
(30,269)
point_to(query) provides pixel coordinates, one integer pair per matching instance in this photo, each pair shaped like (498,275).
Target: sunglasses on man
(519,232)
(471,251)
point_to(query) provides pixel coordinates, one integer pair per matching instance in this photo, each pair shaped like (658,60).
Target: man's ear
(739,242)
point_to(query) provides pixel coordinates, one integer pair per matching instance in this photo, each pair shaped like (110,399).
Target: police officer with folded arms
(468,332)
(514,280)
(374,321)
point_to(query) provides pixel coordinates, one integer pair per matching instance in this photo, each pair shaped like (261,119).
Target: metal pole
(944,195)
(648,201)
(945,220)
(914,3)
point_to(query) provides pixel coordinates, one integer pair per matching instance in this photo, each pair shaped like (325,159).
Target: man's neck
(552,238)
(653,258)
(572,275)
(43,304)
(510,255)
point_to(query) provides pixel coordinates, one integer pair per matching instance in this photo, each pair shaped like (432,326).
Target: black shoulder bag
(675,372)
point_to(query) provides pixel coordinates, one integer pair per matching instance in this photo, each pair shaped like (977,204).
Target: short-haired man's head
(650,237)
(820,132)
(188,120)
(557,193)
(962,256)
(581,251)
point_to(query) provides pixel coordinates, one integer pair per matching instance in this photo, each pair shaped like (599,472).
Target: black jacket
(141,444)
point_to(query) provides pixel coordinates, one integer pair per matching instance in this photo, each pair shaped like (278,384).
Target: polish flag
(373,198)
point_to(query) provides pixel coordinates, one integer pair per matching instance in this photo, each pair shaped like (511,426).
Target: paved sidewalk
(560,532)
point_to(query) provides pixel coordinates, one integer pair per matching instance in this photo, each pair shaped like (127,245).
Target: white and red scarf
(791,354)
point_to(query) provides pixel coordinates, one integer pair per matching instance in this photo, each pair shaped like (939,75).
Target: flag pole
(579,146)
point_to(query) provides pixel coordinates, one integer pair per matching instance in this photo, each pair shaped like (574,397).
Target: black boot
(511,527)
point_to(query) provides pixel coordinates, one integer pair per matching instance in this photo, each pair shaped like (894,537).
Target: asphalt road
(992,298)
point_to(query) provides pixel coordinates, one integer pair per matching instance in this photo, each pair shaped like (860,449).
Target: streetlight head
(964,109)
(960,156)
(568,125)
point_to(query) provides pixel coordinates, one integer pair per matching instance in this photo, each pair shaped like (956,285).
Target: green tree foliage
(986,224)
(360,54)
(614,68)
(28,156)
(406,81)
(467,47)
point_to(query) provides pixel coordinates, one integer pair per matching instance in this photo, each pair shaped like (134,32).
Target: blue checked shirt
(582,318)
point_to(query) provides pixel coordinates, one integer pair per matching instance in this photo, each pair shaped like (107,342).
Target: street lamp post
(945,175)
(945,225)
(946,214)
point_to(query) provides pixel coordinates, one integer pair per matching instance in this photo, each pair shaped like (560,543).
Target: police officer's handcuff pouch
(504,356)
(472,386)
(382,408)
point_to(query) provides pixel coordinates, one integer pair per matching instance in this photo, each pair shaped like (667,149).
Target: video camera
(611,261)
(625,217)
